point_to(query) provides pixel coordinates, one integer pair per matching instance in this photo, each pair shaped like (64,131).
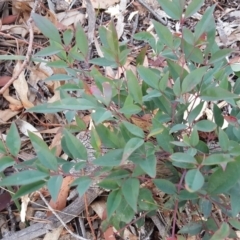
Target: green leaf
(82,41)
(206,207)
(217,158)
(83,183)
(217,113)
(235,223)
(134,87)
(110,159)
(193,79)
(23,178)
(67,36)
(163,33)
(13,140)
(148,165)
(29,188)
(217,93)
(146,201)
(135,130)
(194,180)
(203,25)
(6,162)
(193,7)
(64,104)
(183,157)
(100,115)
(194,137)
(192,228)
(171,9)
(54,185)
(219,55)
(165,186)
(109,184)
(46,157)
(149,76)
(74,145)
(130,147)
(223,140)
(57,64)
(49,51)
(46,27)
(195,112)
(113,201)
(177,127)
(2,147)
(234,199)
(130,109)
(221,233)
(59,77)
(221,181)
(130,191)
(205,126)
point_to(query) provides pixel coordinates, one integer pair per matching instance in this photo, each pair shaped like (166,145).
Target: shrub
(172,152)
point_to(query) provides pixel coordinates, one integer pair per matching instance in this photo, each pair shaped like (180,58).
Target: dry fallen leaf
(4,80)
(144,124)
(21,87)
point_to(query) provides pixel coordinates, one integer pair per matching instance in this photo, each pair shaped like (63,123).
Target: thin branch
(29,50)
(61,221)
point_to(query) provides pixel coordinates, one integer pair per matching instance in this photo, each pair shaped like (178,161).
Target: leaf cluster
(196,71)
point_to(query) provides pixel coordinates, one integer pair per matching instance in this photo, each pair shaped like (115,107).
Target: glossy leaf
(67,36)
(145,200)
(149,76)
(46,157)
(205,207)
(2,147)
(194,180)
(194,137)
(216,158)
(49,51)
(177,127)
(46,27)
(217,113)
(192,228)
(23,178)
(130,191)
(13,140)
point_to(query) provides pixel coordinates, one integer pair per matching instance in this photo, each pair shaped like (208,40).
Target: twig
(142,2)
(61,221)
(29,50)
(87,214)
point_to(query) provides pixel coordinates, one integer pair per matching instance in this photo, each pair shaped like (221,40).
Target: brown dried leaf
(144,124)
(21,87)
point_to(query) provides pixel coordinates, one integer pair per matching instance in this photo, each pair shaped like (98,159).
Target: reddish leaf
(4,80)
(9,19)
(5,199)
